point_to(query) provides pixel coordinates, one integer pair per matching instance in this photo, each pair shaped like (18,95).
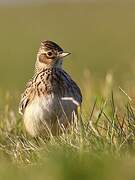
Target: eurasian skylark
(51,97)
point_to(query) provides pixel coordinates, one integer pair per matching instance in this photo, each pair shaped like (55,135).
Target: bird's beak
(64,54)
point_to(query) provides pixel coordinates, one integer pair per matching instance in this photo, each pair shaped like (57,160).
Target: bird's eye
(49,53)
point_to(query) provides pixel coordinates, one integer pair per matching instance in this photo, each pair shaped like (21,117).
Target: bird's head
(50,55)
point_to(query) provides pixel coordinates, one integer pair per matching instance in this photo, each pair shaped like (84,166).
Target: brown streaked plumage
(51,96)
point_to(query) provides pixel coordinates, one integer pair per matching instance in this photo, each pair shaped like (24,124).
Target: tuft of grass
(100,144)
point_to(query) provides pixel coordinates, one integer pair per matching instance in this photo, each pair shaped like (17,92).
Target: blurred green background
(99,34)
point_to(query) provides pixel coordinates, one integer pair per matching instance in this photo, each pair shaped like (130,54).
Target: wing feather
(26,97)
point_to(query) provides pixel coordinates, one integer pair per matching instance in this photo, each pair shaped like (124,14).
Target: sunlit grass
(99,145)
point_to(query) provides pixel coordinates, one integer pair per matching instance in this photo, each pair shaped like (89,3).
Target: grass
(101,145)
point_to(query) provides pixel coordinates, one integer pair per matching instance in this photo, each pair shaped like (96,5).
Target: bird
(51,98)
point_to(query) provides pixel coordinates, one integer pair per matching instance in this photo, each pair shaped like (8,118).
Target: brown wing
(26,97)
(70,87)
